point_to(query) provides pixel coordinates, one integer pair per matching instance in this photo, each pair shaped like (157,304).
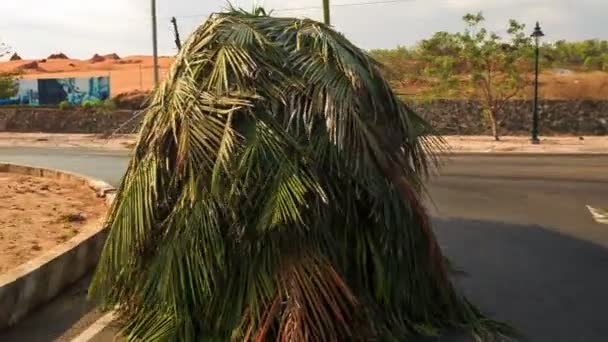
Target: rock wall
(450,117)
(461,117)
(55,120)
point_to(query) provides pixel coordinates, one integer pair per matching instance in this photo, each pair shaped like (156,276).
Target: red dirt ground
(37,214)
(134,73)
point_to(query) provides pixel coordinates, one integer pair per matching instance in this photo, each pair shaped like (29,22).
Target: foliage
(275,195)
(475,63)
(8,81)
(496,68)
(594,63)
(109,104)
(8,85)
(63,105)
(92,104)
(404,64)
(589,54)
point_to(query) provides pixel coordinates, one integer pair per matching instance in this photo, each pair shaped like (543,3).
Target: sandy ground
(114,143)
(485,144)
(37,214)
(458,144)
(131,73)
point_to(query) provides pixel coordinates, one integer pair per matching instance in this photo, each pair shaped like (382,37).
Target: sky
(37,28)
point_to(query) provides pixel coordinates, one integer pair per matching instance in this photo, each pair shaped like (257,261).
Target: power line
(351,4)
(294,9)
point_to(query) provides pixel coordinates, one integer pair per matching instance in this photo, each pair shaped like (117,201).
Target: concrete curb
(522,153)
(96,328)
(26,287)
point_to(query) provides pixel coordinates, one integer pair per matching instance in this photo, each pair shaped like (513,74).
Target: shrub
(63,105)
(605,62)
(109,104)
(593,63)
(92,104)
(8,85)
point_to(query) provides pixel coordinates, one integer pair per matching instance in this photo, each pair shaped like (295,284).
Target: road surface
(517,225)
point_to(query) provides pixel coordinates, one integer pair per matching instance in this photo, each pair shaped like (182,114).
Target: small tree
(8,83)
(479,64)
(442,65)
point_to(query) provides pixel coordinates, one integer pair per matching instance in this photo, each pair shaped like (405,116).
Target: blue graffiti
(54,91)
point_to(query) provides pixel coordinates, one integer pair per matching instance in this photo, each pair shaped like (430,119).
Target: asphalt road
(517,225)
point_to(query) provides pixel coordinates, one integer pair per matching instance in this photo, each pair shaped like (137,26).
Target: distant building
(52,91)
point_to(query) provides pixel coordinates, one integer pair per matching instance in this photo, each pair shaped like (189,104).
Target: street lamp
(537,35)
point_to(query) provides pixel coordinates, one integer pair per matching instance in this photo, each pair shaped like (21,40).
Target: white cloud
(35,28)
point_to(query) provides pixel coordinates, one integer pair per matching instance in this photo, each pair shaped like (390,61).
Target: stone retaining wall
(55,120)
(461,117)
(450,117)
(36,282)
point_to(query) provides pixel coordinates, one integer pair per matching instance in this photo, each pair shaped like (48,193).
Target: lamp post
(537,35)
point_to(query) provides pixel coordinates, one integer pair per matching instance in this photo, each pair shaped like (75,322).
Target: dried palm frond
(274,195)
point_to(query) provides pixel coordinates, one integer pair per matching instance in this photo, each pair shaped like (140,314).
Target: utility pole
(178,41)
(155,42)
(326,14)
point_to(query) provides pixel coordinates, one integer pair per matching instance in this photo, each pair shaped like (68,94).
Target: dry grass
(580,85)
(553,86)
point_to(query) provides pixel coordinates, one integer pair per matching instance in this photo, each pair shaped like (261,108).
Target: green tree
(8,85)
(274,195)
(497,68)
(593,63)
(479,64)
(575,55)
(440,56)
(605,62)
(8,81)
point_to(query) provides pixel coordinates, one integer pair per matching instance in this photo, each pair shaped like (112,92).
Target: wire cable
(295,9)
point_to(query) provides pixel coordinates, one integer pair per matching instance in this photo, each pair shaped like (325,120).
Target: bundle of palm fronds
(274,195)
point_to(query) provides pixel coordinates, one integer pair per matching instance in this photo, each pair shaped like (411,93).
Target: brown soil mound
(58,56)
(37,214)
(30,66)
(132,99)
(97,59)
(129,61)
(112,56)
(15,57)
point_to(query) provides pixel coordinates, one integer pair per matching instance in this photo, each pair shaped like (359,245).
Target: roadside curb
(34,283)
(521,153)
(517,145)
(97,327)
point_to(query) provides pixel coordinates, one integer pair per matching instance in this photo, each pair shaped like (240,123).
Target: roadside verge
(28,286)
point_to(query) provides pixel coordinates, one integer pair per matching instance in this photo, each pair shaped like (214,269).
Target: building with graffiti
(52,91)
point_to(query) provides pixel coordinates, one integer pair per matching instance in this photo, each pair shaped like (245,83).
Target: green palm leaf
(274,194)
